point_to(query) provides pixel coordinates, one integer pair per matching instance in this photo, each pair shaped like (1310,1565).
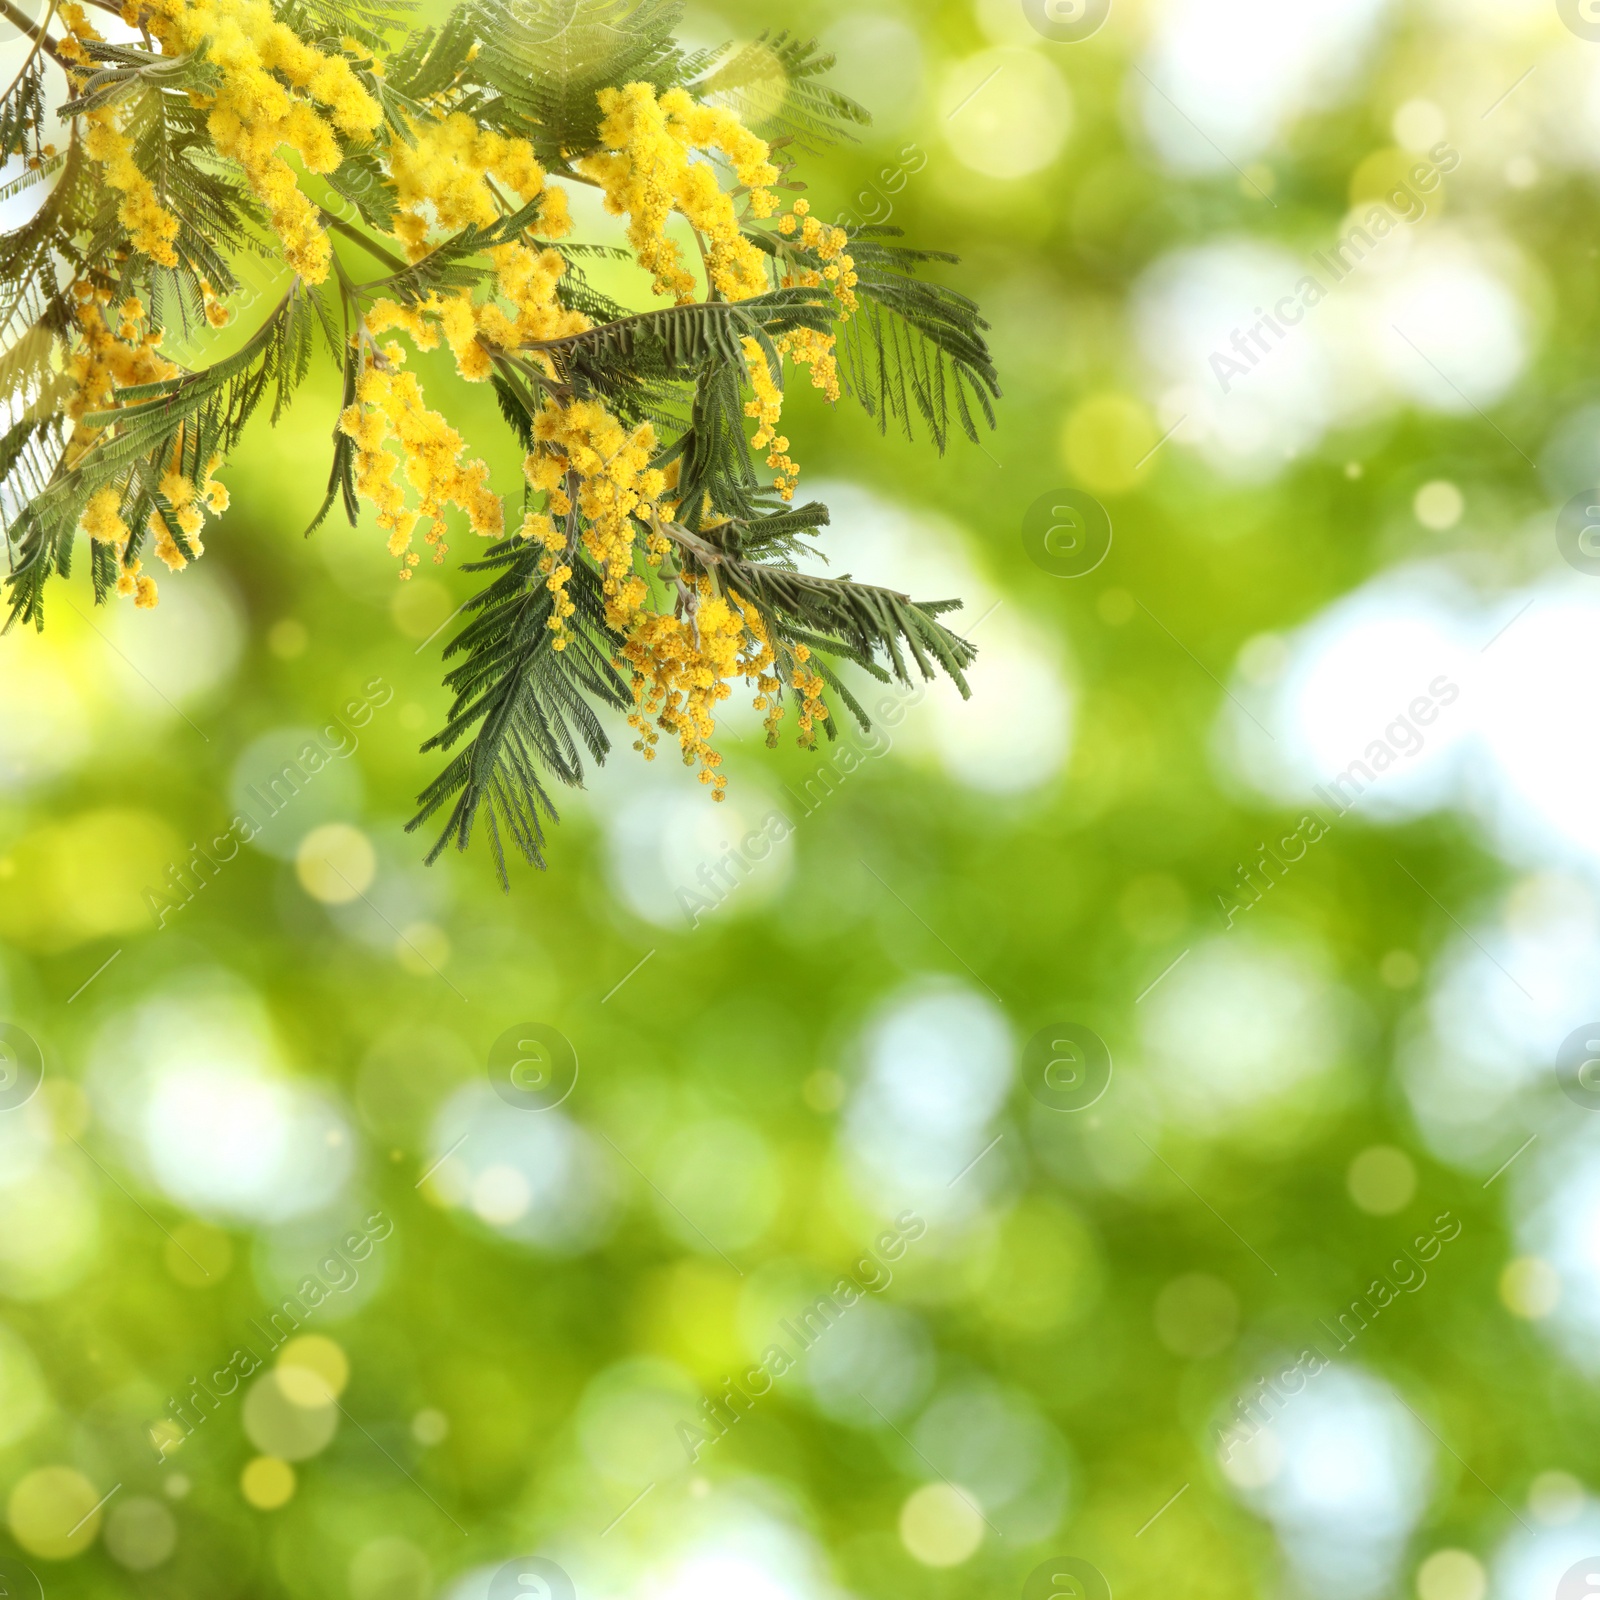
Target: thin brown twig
(24,25)
(38,44)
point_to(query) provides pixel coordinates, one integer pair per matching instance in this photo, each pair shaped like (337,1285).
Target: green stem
(356,236)
(38,44)
(25,26)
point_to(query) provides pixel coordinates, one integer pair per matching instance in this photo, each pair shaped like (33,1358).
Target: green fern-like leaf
(915,349)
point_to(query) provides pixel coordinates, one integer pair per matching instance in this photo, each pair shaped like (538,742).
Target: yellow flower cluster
(189,503)
(761,667)
(217,314)
(151,227)
(102,521)
(389,402)
(141,587)
(805,346)
(279,97)
(680,672)
(582,446)
(767,408)
(443,177)
(273,83)
(646,172)
(526,278)
(829,243)
(104,361)
(557,572)
(809,686)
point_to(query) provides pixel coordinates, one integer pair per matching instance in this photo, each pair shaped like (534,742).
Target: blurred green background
(1348,1030)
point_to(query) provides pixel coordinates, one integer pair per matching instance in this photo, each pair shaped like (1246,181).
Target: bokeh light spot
(1438,505)
(141,1533)
(313,1370)
(336,863)
(279,1425)
(941,1525)
(1382,1180)
(430,1427)
(1452,1575)
(1556,1499)
(1107,443)
(1005,113)
(1530,1287)
(390,1568)
(267,1483)
(1197,1315)
(53,1512)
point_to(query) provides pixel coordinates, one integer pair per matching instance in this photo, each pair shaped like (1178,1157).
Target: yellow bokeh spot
(1452,1575)
(54,1513)
(336,863)
(1042,1271)
(941,1525)
(87,878)
(763,81)
(421,608)
(198,1256)
(267,1483)
(1530,1287)
(1108,443)
(422,949)
(1382,1180)
(689,1312)
(289,1414)
(166,1436)
(313,1370)
(1386,177)
(1005,113)
(1438,505)
(287,639)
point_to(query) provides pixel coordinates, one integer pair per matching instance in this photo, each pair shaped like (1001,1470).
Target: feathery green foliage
(104,438)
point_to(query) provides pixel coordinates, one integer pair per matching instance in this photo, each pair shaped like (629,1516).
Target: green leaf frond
(915,349)
(528,699)
(541,64)
(772,82)
(182,421)
(520,705)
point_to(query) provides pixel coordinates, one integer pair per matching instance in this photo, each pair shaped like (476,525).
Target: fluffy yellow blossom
(101,362)
(808,348)
(188,502)
(443,177)
(151,227)
(682,665)
(524,277)
(390,403)
(143,589)
(276,91)
(767,407)
(217,314)
(581,448)
(102,519)
(177,488)
(645,172)
(805,346)
(809,685)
